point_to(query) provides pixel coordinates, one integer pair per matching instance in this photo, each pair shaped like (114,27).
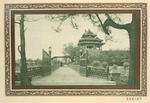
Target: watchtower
(89,40)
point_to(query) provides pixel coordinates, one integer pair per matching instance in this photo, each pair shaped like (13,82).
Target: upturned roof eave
(84,35)
(93,39)
(83,43)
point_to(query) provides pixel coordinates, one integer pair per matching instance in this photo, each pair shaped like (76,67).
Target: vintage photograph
(75,49)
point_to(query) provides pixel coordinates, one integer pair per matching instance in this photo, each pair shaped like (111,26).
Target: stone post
(107,72)
(116,77)
(50,51)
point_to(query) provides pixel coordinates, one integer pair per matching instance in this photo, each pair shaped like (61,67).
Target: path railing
(104,73)
(95,71)
(32,72)
(99,72)
(35,71)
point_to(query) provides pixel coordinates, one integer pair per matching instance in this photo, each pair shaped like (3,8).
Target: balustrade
(32,72)
(95,71)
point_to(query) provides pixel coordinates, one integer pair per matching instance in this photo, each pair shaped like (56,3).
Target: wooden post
(108,73)
(86,63)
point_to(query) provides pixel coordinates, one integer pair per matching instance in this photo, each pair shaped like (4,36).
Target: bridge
(55,74)
(68,76)
(62,57)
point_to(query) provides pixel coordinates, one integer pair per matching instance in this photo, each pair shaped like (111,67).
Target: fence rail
(32,72)
(91,71)
(95,71)
(35,71)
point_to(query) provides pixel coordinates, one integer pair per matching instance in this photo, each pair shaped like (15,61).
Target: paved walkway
(67,76)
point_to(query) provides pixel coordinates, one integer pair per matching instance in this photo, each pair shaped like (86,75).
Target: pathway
(67,76)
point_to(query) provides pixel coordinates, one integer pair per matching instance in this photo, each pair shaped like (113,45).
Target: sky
(40,35)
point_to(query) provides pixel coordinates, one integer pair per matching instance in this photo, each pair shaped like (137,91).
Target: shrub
(115,67)
(126,60)
(96,63)
(105,64)
(125,65)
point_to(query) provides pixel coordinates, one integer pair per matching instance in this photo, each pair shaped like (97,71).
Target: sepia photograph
(75,49)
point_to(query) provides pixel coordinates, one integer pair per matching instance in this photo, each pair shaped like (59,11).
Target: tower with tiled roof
(89,40)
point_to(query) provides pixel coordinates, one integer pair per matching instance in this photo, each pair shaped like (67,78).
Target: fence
(32,72)
(38,71)
(95,71)
(55,66)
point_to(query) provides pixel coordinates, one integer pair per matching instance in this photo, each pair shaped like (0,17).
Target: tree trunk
(24,74)
(132,38)
(131,28)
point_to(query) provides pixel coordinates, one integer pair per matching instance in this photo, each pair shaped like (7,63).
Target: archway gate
(83,61)
(46,63)
(62,64)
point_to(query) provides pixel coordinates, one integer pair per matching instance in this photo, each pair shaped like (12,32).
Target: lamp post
(50,51)
(81,51)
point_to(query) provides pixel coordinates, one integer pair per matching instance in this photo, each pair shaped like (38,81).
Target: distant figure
(61,64)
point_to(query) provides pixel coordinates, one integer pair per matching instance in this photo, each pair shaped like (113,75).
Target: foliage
(96,63)
(115,56)
(70,49)
(56,61)
(38,61)
(104,64)
(109,56)
(126,60)
(29,60)
(35,61)
(125,64)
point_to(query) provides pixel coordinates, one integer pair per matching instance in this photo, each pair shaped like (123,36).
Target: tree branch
(103,26)
(62,22)
(90,17)
(25,29)
(17,18)
(110,22)
(19,47)
(34,20)
(74,25)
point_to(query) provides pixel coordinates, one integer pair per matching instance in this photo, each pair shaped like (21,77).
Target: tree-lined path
(67,76)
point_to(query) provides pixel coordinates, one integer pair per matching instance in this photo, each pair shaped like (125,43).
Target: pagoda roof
(89,38)
(97,43)
(88,33)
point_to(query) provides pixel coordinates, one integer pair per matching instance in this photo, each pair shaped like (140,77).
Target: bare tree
(25,80)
